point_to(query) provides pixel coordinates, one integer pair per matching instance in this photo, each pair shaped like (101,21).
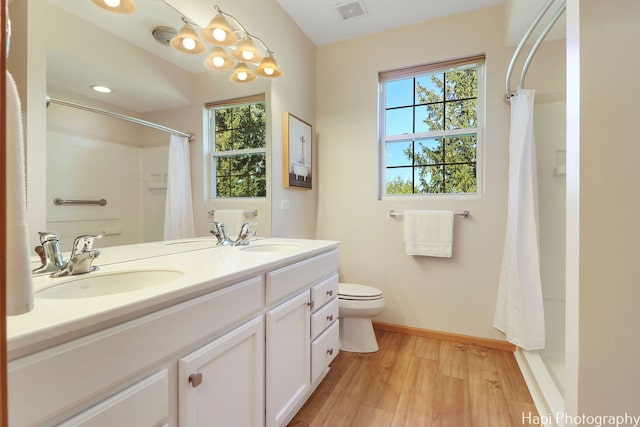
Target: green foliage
(239,128)
(399,186)
(241,176)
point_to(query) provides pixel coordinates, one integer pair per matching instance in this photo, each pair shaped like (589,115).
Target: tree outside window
(430,123)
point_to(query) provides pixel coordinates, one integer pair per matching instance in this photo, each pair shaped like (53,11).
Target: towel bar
(245,213)
(464,214)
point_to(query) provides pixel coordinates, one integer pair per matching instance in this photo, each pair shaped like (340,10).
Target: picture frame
(297,164)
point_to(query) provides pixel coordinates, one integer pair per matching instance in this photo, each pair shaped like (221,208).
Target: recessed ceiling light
(101,89)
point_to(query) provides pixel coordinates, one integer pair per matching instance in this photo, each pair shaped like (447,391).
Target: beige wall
(457,294)
(602,183)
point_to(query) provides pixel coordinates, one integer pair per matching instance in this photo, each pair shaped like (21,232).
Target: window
(430,119)
(238,146)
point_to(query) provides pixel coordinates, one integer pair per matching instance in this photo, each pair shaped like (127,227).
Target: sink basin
(271,247)
(193,244)
(101,284)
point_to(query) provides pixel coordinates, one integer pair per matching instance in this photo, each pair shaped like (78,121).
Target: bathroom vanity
(210,336)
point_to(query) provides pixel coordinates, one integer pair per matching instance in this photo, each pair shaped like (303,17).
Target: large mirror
(93,156)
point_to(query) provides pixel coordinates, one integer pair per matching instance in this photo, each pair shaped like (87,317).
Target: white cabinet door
(222,383)
(288,358)
(145,403)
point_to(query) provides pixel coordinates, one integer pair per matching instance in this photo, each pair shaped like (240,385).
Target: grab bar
(59,202)
(464,214)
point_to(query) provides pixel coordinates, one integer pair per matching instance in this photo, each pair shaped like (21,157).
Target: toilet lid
(353,291)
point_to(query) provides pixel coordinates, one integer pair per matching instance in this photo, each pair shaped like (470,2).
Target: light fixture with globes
(235,48)
(187,40)
(118,6)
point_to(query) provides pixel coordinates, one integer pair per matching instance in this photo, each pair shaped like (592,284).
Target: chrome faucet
(81,257)
(50,254)
(245,234)
(220,232)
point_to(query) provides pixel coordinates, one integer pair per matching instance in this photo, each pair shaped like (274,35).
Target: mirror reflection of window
(238,147)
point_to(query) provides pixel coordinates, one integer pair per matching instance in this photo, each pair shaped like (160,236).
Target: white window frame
(418,71)
(209,112)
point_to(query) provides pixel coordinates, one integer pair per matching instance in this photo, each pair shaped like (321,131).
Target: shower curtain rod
(535,46)
(49,99)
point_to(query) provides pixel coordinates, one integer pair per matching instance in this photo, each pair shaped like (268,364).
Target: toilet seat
(354,292)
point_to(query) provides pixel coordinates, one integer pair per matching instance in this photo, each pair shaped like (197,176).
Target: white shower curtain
(178,217)
(519,308)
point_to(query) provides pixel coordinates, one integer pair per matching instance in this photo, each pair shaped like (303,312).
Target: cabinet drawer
(286,281)
(324,317)
(324,349)
(324,291)
(145,403)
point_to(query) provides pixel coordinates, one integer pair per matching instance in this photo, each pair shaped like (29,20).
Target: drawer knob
(330,351)
(330,292)
(195,379)
(330,318)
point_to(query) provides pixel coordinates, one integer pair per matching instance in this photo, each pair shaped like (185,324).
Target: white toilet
(357,305)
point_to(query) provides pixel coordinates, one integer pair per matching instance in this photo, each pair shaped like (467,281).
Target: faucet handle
(246,227)
(49,252)
(84,243)
(220,231)
(48,236)
(245,233)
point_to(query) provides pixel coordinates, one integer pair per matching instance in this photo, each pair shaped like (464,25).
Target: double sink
(98,284)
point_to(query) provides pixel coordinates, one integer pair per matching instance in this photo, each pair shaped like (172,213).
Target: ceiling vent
(351,10)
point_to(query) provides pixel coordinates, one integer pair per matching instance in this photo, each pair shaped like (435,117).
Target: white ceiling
(323,24)
(319,19)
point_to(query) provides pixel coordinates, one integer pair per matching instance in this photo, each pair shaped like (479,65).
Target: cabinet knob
(330,318)
(330,351)
(311,304)
(195,379)
(330,292)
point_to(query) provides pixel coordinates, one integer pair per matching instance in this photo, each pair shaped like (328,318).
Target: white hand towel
(18,262)
(232,220)
(428,233)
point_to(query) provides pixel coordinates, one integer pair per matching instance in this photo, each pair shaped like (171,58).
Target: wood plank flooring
(420,382)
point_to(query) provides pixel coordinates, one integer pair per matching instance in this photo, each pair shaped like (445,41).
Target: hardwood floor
(420,382)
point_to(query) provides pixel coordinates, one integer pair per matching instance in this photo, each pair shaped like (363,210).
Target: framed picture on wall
(297,153)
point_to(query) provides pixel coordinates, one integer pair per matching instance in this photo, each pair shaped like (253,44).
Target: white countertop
(205,268)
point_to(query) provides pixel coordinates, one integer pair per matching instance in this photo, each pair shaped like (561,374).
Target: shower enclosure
(544,369)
